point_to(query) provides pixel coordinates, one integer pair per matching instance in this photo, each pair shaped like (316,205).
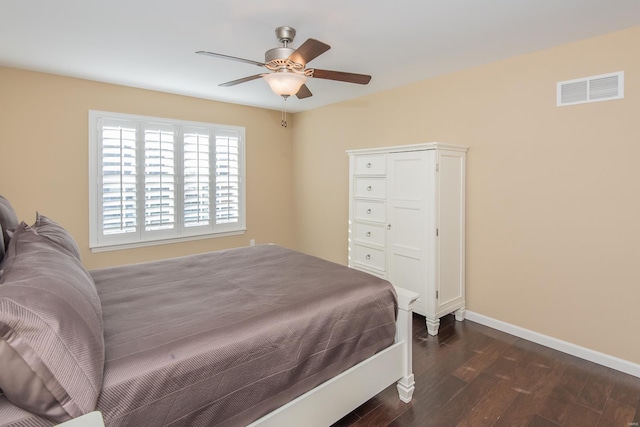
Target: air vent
(604,87)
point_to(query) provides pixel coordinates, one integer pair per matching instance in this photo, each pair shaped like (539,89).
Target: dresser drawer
(374,164)
(369,257)
(370,211)
(374,188)
(371,234)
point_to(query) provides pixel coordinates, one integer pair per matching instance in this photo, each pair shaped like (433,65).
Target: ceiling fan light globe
(285,84)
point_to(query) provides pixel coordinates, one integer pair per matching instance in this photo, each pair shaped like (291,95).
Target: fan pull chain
(283,121)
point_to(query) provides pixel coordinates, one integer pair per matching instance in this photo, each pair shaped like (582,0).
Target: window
(152,180)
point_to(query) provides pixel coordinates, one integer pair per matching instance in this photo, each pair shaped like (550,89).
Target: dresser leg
(460,313)
(433,324)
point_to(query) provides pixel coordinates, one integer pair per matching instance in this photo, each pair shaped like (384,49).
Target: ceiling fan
(288,66)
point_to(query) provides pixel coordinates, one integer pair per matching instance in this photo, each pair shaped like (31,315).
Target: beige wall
(553,199)
(44,156)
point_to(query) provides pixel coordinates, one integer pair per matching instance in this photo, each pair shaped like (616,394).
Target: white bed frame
(332,400)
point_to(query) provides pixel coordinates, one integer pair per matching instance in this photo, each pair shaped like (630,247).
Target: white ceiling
(151,43)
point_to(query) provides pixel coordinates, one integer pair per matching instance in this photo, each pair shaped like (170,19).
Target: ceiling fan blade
(242,80)
(308,50)
(233,58)
(361,79)
(304,92)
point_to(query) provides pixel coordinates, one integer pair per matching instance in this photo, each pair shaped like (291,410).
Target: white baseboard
(563,346)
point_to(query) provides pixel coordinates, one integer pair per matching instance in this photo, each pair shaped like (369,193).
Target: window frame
(99,242)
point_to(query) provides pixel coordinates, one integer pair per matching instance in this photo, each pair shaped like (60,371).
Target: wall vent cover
(604,87)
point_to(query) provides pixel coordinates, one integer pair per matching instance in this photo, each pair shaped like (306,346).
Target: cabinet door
(450,243)
(407,179)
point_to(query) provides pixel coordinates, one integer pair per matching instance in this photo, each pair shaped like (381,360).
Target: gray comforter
(225,337)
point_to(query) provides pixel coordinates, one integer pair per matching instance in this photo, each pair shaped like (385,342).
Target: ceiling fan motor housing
(277,53)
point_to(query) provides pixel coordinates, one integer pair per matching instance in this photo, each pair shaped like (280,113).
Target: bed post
(406,299)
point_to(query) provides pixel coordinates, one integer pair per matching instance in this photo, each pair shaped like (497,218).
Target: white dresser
(406,222)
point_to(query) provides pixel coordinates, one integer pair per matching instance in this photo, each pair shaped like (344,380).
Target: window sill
(117,247)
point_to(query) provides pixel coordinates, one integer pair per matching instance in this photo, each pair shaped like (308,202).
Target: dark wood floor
(471,375)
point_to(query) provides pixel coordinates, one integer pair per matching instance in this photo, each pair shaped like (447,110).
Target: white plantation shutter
(227,179)
(197,178)
(119,178)
(159,178)
(155,179)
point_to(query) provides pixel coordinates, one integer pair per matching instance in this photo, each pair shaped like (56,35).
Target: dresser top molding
(412,147)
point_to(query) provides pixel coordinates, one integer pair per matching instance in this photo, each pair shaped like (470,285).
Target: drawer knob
(368,256)
(368,211)
(369,188)
(368,234)
(368,165)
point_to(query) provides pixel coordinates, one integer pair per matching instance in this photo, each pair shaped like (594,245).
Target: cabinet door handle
(388,226)
(368,165)
(368,234)
(368,256)
(369,188)
(368,211)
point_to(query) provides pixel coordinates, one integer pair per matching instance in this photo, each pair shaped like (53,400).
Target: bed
(257,336)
